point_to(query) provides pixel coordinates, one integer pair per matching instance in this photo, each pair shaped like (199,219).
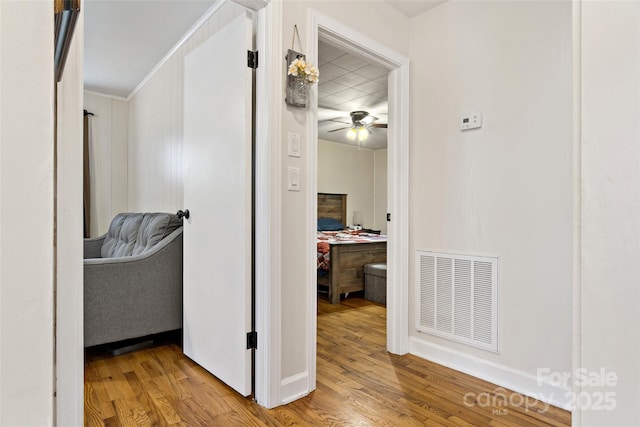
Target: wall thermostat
(471,121)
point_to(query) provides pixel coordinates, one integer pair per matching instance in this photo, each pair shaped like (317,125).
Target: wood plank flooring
(358,384)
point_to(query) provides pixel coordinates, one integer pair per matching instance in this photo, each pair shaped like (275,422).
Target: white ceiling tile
(379,108)
(330,87)
(384,80)
(353,79)
(350,62)
(371,87)
(328,53)
(366,100)
(330,72)
(351,106)
(350,94)
(325,114)
(382,94)
(372,72)
(331,101)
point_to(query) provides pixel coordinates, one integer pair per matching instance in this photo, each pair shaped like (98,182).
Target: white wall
(155,127)
(504,189)
(380,191)
(610,297)
(381,22)
(26,213)
(345,169)
(109,151)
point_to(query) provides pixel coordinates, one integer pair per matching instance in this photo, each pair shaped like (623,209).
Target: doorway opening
(325,31)
(165,188)
(352,182)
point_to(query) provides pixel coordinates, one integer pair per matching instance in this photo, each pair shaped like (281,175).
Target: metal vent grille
(458,298)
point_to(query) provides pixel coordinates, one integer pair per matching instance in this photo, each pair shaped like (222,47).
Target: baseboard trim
(295,387)
(502,376)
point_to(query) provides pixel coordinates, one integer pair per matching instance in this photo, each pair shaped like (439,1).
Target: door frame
(325,28)
(268,195)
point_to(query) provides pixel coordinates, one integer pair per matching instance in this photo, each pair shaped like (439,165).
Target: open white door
(217,192)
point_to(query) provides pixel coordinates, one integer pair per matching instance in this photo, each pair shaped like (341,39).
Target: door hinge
(252,59)
(388,217)
(252,340)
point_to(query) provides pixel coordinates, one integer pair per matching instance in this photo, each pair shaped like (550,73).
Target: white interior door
(217,192)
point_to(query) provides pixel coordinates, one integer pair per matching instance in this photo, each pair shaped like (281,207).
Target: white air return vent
(458,298)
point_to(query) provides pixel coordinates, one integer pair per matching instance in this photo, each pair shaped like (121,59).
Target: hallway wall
(502,190)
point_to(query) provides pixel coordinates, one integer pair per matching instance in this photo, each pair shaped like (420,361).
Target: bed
(342,254)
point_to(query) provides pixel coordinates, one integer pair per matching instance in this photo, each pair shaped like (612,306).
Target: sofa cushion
(135,233)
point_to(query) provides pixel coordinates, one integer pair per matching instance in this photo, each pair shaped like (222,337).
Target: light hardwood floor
(358,384)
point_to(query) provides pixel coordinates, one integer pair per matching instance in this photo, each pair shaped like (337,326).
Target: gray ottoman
(375,282)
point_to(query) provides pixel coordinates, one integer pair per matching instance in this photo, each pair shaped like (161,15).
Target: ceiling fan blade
(336,130)
(379,125)
(331,114)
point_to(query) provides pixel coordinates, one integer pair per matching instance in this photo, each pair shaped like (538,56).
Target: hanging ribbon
(293,39)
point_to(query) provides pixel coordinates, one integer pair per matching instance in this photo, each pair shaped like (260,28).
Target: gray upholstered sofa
(133,278)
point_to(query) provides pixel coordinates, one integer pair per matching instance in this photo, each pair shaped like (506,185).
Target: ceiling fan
(360,120)
(361,124)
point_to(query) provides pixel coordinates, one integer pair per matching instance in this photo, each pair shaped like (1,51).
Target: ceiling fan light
(363,133)
(351,133)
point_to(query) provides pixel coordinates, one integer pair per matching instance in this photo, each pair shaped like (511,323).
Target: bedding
(327,238)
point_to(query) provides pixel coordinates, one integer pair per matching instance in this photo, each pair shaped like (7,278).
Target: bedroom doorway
(352,194)
(351,175)
(381,64)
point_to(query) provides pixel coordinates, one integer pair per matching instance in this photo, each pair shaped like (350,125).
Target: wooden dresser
(346,273)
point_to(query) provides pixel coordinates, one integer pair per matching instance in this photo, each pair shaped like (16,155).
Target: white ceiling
(413,8)
(348,83)
(125,39)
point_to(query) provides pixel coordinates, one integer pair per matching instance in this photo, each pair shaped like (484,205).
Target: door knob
(183,214)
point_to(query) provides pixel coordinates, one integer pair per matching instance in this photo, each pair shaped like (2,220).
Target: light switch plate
(294,144)
(293,179)
(471,121)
